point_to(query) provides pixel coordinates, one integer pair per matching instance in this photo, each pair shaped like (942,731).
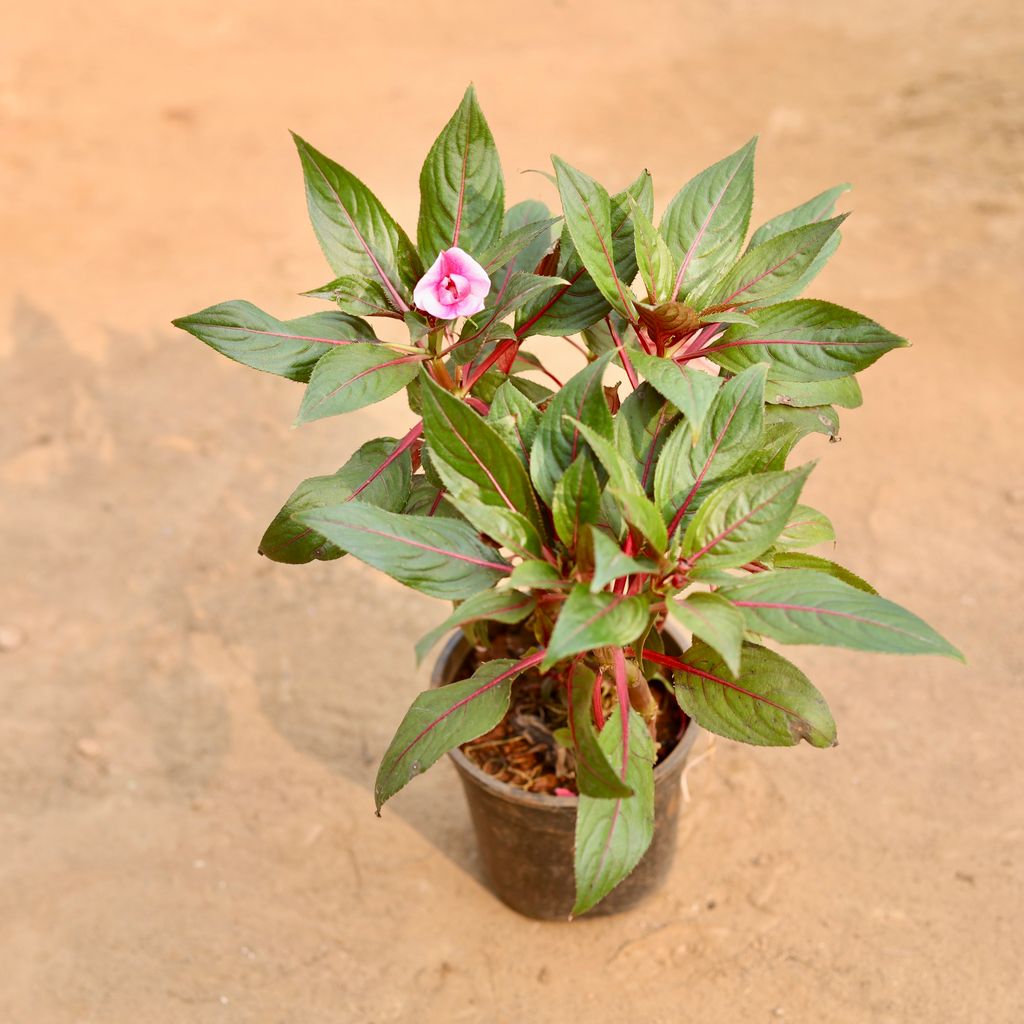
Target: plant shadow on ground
(335,693)
(174,602)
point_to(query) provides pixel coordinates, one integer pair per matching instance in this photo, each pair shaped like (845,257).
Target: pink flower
(456,285)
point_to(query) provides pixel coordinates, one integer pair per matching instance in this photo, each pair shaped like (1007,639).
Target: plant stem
(407,442)
(579,348)
(628,674)
(626,364)
(440,373)
(597,700)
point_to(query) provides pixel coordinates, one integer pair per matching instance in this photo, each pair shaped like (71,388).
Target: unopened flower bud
(670,319)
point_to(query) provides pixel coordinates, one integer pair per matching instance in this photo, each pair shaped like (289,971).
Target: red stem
(645,339)
(693,345)
(626,364)
(622,691)
(410,439)
(598,705)
(547,373)
(681,666)
(506,346)
(579,348)
(437,501)
(678,517)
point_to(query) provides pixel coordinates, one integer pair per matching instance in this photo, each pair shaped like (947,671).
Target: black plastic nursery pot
(527,840)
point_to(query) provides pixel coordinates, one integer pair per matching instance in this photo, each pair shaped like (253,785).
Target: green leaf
(612,563)
(642,425)
(783,560)
(731,316)
(801,606)
(588,216)
(525,238)
(487,325)
(688,469)
(612,835)
(576,502)
(598,337)
(653,258)
(536,574)
(637,508)
(741,520)
(443,718)
(800,281)
(805,340)
(785,425)
(427,463)
(287,541)
(515,418)
(590,620)
(690,391)
(771,703)
(289,348)
(706,222)
(358,295)
(462,191)
(426,496)
(558,439)
(844,392)
(716,621)
(358,236)
(350,377)
(417,325)
(595,777)
(816,209)
(440,557)
(507,527)
(487,386)
(503,605)
(475,334)
(763,273)
(582,304)
(460,439)
(804,528)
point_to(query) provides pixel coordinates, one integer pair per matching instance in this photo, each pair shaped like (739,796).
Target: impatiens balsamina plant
(590,520)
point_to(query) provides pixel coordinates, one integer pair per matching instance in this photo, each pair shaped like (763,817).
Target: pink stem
(598,706)
(699,338)
(547,373)
(505,347)
(579,348)
(407,442)
(622,691)
(626,364)
(474,403)
(437,501)
(645,340)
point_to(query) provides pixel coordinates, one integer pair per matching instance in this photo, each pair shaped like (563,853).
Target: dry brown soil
(188,734)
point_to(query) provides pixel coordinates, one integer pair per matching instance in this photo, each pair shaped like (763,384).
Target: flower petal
(433,295)
(469,306)
(426,287)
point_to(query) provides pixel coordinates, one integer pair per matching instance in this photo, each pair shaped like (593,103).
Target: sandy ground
(188,734)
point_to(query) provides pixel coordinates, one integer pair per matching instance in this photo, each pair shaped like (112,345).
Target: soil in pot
(526,836)
(528,747)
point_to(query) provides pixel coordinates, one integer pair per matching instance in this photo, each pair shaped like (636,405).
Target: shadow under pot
(527,840)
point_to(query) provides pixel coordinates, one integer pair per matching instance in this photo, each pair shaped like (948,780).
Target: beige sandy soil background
(188,733)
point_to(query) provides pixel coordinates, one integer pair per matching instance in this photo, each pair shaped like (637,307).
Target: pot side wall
(527,840)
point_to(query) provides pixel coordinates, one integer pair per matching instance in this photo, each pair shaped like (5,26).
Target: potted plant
(572,526)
